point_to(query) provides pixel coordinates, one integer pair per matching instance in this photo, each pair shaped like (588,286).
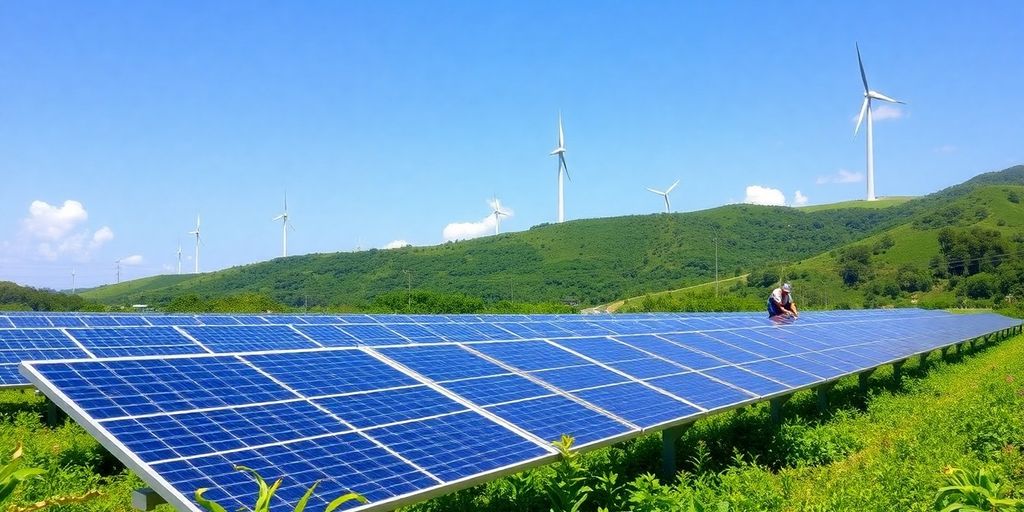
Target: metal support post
(897,371)
(862,380)
(775,409)
(822,394)
(669,437)
(146,499)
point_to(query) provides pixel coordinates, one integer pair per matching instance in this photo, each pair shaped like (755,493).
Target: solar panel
(415,405)
(135,341)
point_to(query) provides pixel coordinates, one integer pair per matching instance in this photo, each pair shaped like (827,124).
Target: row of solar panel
(27,344)
(397,421)
(37,320)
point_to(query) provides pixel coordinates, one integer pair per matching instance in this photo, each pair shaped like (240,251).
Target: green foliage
(14,297)
(854,264)
(969,252)
(978,286)
(567,490)
(910,278)
(12,475)
(704,300)
(266,492)
(239,303)
(978,491)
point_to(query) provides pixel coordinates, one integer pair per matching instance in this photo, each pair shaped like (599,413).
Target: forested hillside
(595,261)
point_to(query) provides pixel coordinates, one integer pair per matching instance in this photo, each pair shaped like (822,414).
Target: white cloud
(48,222)
(945,149)
(102,236)
(133,260)
(58,231)
(484,227)
(885,112)
(396,244)
(757,194)
(799,199)
(842,177)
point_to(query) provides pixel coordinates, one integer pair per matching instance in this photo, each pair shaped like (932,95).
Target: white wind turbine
(560,151)
(668,204)
(284,227)
(196,233)
(498,213)
(865,109)
(179,256)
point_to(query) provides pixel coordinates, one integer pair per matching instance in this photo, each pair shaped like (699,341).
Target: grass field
(884,451)
(881,202)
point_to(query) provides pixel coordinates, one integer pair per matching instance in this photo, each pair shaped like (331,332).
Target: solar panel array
(401,407)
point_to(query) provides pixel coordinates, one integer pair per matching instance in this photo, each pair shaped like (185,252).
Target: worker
(780,303)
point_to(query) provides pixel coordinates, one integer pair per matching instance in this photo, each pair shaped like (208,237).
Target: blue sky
(390,120)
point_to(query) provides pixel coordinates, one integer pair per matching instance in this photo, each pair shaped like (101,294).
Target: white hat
(787,288)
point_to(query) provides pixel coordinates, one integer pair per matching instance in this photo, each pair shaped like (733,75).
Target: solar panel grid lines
(339,419)
(304,335)
(459,399)
(628,376)
(554,389)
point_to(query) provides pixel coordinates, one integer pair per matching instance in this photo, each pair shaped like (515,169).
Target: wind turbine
(196,233)
(179,256)
(865,108)
(668,205)
(498,213)
(560,151)
(284,227)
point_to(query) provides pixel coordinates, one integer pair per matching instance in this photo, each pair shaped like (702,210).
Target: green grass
(882,202)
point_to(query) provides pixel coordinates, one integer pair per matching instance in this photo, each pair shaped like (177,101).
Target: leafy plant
(979,491)
(567,490)
(12,475)
(266,493)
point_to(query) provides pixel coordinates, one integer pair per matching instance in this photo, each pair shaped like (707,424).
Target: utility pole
(408,277)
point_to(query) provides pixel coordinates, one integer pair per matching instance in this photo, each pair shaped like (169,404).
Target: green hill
(596,261)
(904,264)
(882,202)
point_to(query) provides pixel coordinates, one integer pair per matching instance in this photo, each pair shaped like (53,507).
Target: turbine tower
(865,109)
(668,204)
(179,257)
(284,227)
(560,152)
(196,233)
(498,213)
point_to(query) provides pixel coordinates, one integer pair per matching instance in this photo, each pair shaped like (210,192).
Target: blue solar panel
(5,323)
(702,390)
(321,373)
(638,404)
(308,414)
(458,445)
(130,321)
(252,320)
(66,321)
(550,417)
(375,408)
(34,339)
(251,338)
(369,334)
(443,362)
(23,321)
(171,320)
(327,335)
(217,320)
(135,341)
(100,321)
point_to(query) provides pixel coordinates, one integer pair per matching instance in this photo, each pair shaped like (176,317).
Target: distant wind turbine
(865,109)
(498,213)
(668,205)
(196,233)
(560,151)
(284,227)
(179,256)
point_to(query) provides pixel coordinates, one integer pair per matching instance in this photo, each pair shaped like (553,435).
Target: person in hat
(780,303)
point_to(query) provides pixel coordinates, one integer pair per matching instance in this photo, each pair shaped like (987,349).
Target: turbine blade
(863,76)
(863,111)
(279,217)
(672,187)
(880,96)
(561,161)
(561,135)
(656,191)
